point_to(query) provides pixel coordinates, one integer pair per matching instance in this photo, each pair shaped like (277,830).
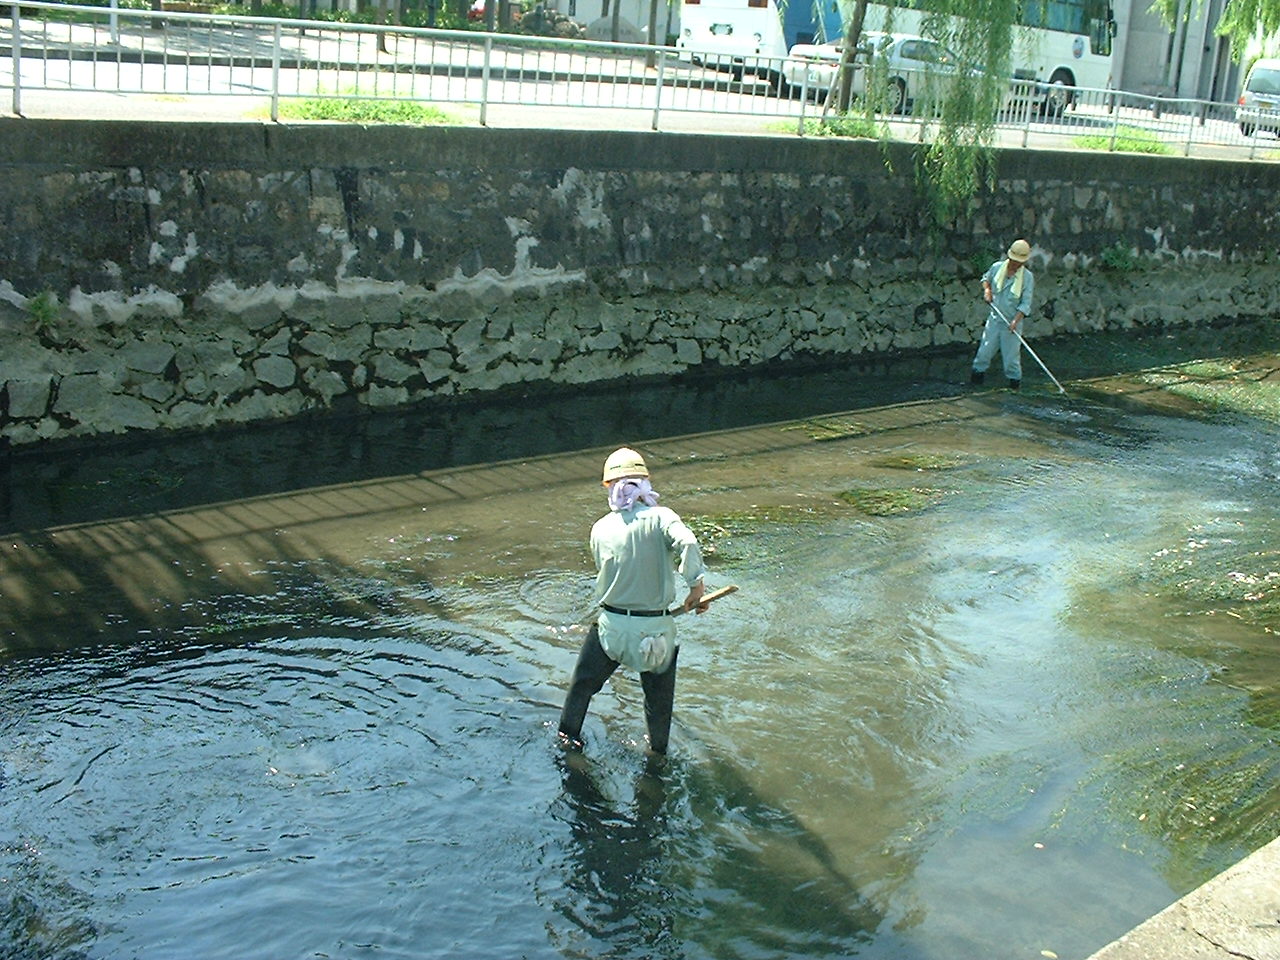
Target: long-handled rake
(1035,356)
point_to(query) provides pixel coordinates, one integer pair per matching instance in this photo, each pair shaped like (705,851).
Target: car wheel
(897,95)
(778,83)
(1246,129)
(1059,96)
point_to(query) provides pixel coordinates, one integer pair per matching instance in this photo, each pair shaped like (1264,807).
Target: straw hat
(1020,251)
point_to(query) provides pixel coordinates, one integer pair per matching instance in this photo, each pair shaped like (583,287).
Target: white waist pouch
(641,643)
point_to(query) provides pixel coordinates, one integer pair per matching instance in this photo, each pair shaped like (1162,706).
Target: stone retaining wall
(184,275)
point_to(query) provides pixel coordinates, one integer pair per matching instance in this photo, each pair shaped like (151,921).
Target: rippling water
(982,730)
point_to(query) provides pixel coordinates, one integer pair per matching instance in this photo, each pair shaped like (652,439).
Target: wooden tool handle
(707,598)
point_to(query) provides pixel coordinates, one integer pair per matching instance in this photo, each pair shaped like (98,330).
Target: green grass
(844,127)
(1126,140)
(445,19)
(344,108)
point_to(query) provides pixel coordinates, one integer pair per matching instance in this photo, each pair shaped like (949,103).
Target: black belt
(635,613)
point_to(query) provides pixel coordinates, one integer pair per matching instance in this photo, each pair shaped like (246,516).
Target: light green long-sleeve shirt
(1003,297)
(639,553)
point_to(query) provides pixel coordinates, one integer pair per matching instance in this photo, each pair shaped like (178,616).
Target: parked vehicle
(741,36)
(1259,105)
(905,63)
(1059,47)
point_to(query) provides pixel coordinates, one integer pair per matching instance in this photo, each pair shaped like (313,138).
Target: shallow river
(314,716)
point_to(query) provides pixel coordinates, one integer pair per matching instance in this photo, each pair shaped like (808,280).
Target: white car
(906,62)
(1258,108)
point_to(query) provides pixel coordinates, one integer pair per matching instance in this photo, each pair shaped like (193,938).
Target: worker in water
(640,549)
(1008,286)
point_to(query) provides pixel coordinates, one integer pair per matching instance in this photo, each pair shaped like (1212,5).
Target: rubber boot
(1014,384)
(976,377)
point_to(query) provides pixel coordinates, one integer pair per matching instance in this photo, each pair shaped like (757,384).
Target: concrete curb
(1234,915)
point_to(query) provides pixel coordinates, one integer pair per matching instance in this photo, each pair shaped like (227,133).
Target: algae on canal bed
(831,428)
(1248,386)
(1209,568)
(715,531)
(920,461)
(889,501)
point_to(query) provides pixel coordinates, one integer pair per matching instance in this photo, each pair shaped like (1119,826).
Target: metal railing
(63,48)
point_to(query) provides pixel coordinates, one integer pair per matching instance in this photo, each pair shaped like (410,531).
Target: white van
(742,36)
(1259,105)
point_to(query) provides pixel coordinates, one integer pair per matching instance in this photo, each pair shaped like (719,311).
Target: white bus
(1059,43)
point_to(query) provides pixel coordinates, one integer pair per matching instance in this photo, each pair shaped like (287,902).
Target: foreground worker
(639,548)
(1008,286)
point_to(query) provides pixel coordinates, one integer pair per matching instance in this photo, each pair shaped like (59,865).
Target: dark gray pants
(594,667)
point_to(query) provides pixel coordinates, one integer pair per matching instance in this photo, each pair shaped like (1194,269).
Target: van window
(1264,80)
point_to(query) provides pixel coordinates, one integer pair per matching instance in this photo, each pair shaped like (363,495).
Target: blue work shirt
(1003,298)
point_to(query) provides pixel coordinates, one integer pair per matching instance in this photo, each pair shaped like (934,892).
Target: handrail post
(1025,110)
(657,96)
(484,79)
(804,100)
(15,11)
(275,75)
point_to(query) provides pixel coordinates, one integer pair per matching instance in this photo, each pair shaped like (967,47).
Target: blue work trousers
(997,334)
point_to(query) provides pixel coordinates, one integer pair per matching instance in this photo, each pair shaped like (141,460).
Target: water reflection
(618,897)
(685,859)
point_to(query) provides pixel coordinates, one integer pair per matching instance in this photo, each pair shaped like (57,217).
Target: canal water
(991,686)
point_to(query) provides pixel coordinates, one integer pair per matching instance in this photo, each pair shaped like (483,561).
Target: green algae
(720,535)
(1246,386)
(831,428)
(920,461)
(1211,571)
(723,536)
(890,501)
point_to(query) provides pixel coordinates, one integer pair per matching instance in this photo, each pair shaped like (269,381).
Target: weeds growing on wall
(43,310)
(1120,257)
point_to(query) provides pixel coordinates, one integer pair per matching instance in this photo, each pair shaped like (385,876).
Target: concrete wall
(182,275)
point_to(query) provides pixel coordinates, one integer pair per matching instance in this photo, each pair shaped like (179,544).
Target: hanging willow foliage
(965,104)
